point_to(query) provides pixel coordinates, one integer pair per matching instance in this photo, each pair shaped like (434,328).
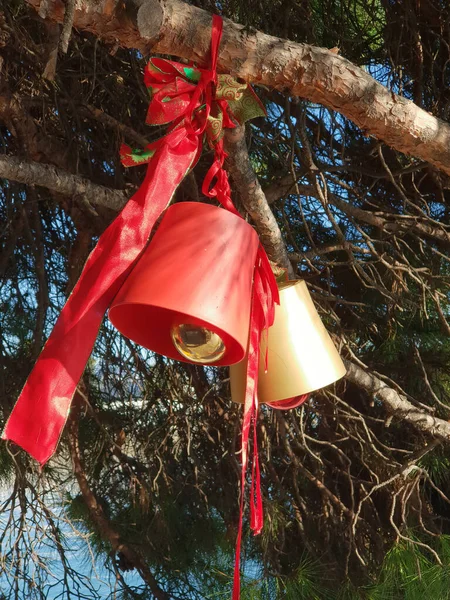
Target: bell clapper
(197,344)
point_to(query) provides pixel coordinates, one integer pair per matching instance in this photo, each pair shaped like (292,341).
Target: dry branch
(285,186)
(413,224)
(396,404)
(67,26)
(112,123)
(60,181)
(253,199)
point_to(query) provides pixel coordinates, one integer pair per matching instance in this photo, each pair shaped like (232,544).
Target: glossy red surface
(198,269)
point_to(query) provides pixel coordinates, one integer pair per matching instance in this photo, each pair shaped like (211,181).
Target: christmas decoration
(195,103)
(301,356)
(183,97)
(191,289)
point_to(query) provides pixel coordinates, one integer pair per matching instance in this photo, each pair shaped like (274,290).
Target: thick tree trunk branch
(173,27)
(253,199)
(60,181)
(398,405)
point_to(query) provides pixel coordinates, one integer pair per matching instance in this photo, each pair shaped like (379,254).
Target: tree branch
(60,181)
(111,122)
(285,186)
(392,226)
(67,26)
(321,250)
(173,27)
(253,199)
(396,404)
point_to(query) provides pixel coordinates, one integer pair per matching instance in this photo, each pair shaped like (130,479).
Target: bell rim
(233,346)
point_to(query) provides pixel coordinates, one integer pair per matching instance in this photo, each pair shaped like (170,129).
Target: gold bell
(301,355)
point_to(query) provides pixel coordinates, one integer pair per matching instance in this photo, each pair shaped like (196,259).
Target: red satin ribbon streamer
(40,413)
(39,416)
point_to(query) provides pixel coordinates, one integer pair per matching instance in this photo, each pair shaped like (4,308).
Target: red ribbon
(40,413)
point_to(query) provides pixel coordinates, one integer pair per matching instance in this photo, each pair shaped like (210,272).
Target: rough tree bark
(396,404)
(60,181)
(173,27)
(253,199)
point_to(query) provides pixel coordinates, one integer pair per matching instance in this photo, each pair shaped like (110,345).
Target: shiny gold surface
(198,344)
(302,356)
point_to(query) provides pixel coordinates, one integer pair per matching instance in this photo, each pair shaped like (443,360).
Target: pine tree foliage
(356,499)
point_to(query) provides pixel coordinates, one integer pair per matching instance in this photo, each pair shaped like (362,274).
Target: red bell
(189,295)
